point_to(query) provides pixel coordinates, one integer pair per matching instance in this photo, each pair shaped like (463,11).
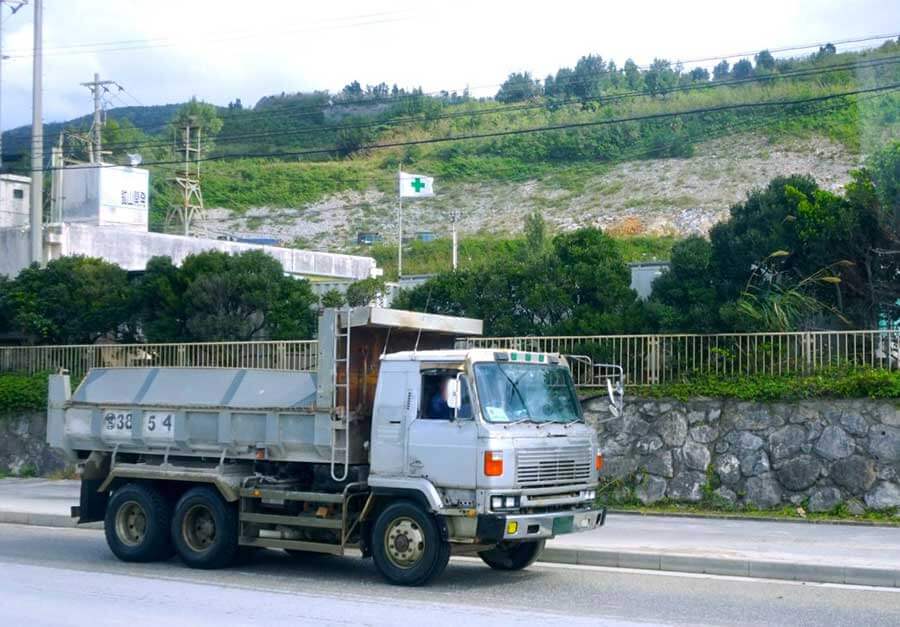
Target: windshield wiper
(518,392)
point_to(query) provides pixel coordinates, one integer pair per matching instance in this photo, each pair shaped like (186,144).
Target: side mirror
(453,393)
(616,397)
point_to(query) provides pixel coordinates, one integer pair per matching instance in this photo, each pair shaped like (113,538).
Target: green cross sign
(417,184)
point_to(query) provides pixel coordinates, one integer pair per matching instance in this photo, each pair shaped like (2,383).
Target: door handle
(394,422)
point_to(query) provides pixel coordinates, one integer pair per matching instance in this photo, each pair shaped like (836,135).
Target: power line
(303,111)
(538,129)
(165,42)
(612,98)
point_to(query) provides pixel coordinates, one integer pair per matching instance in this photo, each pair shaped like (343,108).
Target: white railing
(79,358)
(654,359)
(645,359)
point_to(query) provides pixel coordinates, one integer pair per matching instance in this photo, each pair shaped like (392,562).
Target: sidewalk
(821,553)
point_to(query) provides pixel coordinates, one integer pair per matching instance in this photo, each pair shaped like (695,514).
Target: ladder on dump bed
(340,392)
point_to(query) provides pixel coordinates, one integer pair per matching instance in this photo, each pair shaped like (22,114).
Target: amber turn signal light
(598,462)
(493,463)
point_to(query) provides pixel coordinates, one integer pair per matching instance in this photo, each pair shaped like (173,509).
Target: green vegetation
(271,147)
(22,392)
(848,382)
(791,256)
(477,251)
(212,296)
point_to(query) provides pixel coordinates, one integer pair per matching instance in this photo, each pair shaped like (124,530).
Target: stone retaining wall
(23,445)
(819,454)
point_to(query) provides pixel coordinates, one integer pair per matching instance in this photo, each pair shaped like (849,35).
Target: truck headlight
(504,502)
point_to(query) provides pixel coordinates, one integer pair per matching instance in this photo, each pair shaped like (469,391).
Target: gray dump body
(235,412)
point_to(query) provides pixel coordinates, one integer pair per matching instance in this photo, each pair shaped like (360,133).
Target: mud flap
(92,507)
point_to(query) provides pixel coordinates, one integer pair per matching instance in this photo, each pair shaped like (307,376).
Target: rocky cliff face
(819,454)
(650,196)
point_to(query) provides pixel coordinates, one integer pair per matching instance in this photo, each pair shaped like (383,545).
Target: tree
(721,70)
(589,74)
(699,75)
(660,78)
(332,298)
(742,69)
(364,292)
(535,232)
(684,297)
(517,87)
(633,77)
(73,300)
(200,116)
(765,61)
(216,296)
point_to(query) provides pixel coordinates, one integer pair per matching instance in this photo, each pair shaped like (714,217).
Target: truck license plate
(562,524)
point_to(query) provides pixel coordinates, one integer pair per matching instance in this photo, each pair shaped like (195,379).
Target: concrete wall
(819,454)
(132,249)
(14,211)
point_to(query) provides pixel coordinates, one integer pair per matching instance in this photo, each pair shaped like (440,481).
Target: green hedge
(855,382)
(22,392)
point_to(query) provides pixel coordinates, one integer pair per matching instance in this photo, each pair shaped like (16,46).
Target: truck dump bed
(194,411)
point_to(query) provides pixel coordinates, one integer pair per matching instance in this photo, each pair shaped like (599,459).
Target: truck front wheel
(137,524)
(512,556)
(205,529)
(407,545)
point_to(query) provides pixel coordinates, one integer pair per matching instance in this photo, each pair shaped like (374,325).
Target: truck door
(396,399)
(442,447)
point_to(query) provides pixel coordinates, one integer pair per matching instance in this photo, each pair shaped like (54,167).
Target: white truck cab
(494,433)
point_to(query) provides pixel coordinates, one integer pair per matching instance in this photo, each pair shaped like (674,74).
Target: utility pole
(189,182)
(14,5)
(97,87)
(454,218)
(37,140)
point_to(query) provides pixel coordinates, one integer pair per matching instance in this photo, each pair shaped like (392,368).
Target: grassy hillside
(298,165)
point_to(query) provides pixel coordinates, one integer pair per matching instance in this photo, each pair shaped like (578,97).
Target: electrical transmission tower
(189,181)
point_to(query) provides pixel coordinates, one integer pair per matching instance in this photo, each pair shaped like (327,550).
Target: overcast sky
(165,51)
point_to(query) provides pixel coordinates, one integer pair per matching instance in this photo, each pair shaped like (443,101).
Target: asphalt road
(68,577)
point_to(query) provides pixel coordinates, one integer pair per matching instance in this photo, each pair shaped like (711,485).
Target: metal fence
(79,358)
(654,359)
(645,359)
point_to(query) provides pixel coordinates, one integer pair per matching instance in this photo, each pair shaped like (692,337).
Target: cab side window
(434,400)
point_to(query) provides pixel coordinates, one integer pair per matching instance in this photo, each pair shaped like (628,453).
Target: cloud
(169,50)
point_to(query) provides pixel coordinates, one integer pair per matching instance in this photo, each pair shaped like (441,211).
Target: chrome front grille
(553,465)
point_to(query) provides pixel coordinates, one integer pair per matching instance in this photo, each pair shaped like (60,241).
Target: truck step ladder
(340,421)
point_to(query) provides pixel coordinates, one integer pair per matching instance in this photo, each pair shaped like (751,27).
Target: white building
(14,201)
(103,212)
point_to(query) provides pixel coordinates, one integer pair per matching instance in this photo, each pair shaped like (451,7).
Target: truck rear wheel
(205,529)
(512,556)
(407,546)
(137,524)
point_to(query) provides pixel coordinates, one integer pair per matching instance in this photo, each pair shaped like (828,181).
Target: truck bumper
(499,527)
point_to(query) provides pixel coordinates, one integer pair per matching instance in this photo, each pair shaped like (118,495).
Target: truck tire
(512,556)
(407,546)
(205,529)
(137,524)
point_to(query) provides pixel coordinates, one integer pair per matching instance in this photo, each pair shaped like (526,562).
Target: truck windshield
(526,392)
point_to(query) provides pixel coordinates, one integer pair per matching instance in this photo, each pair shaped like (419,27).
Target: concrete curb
(816,573)
(791,571)
(44,520)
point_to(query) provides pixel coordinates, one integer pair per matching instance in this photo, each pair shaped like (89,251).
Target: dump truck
(397,444)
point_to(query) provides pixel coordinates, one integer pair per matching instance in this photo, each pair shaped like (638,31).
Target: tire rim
(131,523)
(404,542)
(198,528)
